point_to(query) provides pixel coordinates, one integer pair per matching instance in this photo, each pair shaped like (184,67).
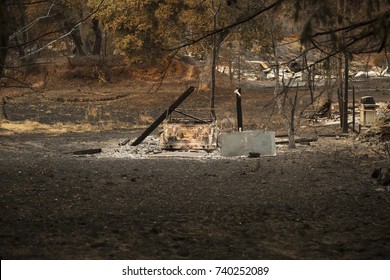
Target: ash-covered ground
(315,202)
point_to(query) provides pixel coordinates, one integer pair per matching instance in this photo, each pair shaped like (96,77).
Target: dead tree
(4,35)
(97,44)
(281,94)
(8,34)
(286,102)
(3,115)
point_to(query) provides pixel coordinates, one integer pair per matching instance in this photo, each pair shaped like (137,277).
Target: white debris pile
(150,148)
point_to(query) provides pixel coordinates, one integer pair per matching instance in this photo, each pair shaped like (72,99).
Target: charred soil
(317,202)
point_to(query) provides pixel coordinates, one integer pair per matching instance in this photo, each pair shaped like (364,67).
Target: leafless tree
(29,46)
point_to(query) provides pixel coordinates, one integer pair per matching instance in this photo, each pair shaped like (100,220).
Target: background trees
(151,32)
(343,28)
(4,33)
(145,30)
(29,27)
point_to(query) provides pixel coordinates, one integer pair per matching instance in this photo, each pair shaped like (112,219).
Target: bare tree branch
(165,71)
(346,28)
(21,84)
(30,3)
(32,24)
(66,34)
(231,26)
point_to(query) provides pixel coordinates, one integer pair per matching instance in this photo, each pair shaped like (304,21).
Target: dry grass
(9,128)
(145,120)
(92,113)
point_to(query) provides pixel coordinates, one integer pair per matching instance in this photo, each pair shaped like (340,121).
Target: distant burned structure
(367,111)
(187,133)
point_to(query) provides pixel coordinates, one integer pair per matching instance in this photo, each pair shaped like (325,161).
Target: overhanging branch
(228,27)
(66,34)
(32,24)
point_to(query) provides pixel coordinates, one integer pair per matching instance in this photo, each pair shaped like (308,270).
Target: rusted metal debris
(192,134)
(161,118)
(188,136)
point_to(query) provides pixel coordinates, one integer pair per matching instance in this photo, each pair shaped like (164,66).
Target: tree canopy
(149,31)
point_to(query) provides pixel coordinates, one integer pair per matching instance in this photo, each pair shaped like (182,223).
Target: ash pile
(151,148)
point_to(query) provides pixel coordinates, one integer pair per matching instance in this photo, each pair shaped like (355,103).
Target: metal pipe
(192,117)
(239,109)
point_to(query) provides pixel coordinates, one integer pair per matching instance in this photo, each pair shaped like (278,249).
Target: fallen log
(298,140)
(344,135)
(88,152)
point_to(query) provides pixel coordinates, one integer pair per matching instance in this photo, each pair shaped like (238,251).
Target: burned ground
(317,202)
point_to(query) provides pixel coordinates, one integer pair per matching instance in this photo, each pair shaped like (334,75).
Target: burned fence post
(239,109)
(161,118)
(353,108)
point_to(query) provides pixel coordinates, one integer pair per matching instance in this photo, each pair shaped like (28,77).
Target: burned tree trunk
(78,42)
(97,44)
(4,34)
(3,115)
(292,130)
(76,37)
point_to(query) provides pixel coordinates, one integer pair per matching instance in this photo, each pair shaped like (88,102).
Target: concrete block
(245,142)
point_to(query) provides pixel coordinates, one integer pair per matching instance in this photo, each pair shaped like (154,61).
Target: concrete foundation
(248,142)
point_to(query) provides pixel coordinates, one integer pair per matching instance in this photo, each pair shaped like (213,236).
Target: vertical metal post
(239,109)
